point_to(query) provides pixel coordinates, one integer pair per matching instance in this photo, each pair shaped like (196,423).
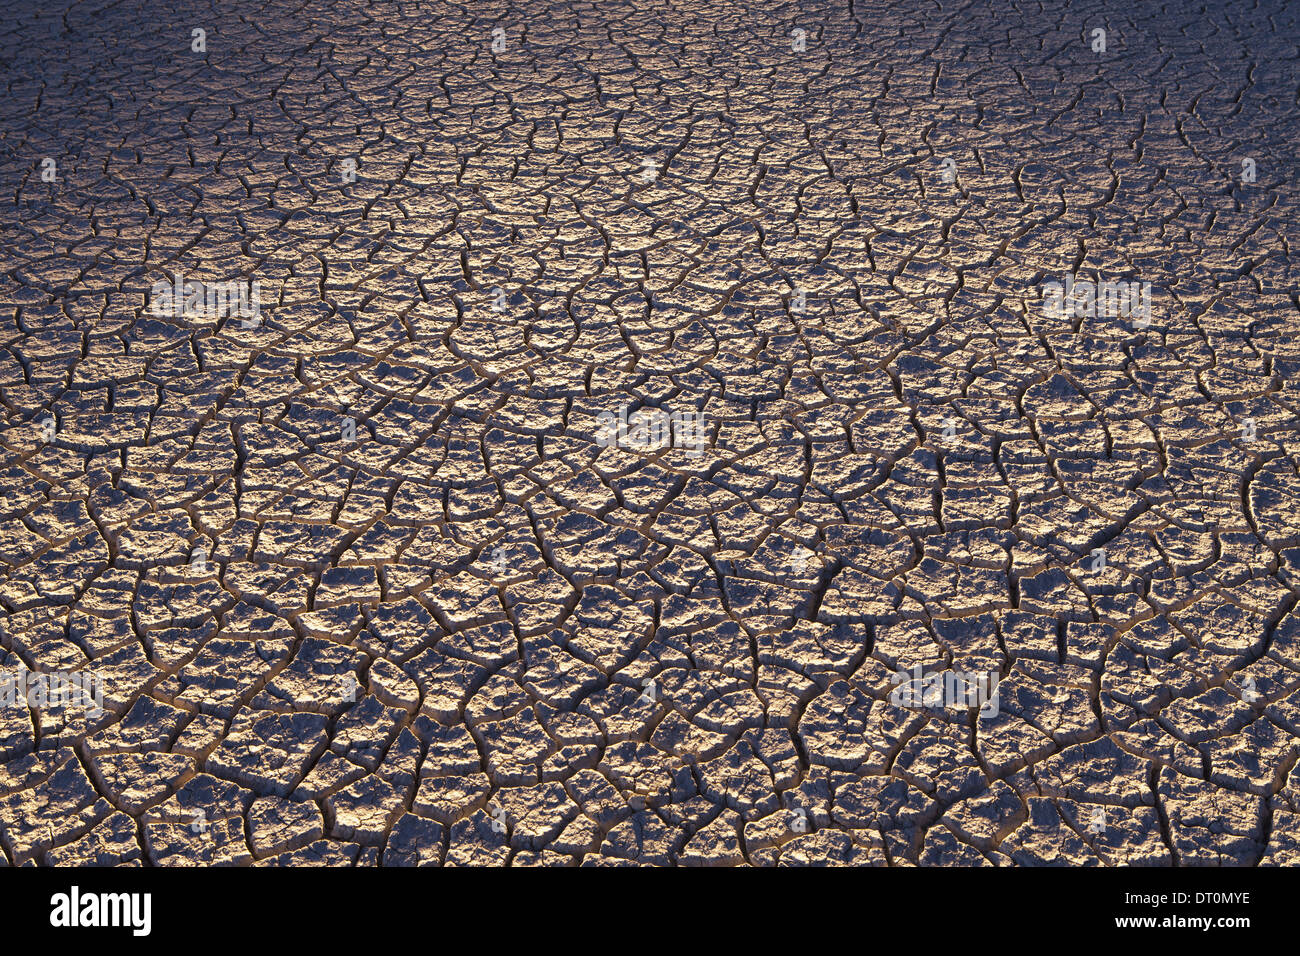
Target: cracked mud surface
(360,582)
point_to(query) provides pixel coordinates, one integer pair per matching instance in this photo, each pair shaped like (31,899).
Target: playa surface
(634,407)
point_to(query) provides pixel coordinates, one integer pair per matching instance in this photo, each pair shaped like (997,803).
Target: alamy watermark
(1083,298)
(946,689)
(75,909)
(180,297)
(56,689)
(650,429)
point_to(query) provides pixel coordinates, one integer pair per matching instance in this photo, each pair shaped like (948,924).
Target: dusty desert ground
(660,432)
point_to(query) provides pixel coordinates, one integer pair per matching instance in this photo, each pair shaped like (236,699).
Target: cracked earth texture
(362,585)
